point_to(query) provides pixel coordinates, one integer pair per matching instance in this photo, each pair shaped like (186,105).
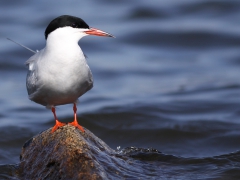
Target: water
(170,80)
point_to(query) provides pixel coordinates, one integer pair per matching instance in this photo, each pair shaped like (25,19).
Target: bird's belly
(62,89)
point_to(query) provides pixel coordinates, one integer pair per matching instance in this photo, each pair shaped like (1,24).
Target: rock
(69,154)
(65,154)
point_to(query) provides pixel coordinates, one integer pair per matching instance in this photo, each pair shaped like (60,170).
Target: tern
(59,74)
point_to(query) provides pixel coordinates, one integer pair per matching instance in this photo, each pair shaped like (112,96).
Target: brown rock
(69,154)
(66,154)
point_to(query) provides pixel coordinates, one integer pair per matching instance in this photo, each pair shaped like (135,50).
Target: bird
(59,74)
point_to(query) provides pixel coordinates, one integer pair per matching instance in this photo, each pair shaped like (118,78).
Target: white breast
(58,75)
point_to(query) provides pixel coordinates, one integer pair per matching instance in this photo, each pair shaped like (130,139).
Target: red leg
(75,123)
(58,123)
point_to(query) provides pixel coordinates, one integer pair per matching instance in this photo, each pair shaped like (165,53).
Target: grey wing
(31,82)
(90,80)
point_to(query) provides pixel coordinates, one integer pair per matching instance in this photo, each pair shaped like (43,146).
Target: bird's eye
(74,25)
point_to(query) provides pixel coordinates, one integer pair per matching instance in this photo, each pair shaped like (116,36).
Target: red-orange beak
(97,32)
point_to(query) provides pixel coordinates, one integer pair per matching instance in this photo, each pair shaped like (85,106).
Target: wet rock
(70,154)
(65,154)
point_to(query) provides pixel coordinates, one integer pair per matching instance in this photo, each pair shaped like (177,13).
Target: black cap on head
(65,20)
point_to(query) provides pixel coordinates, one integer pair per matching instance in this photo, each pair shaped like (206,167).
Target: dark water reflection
(173,167)
(170,80)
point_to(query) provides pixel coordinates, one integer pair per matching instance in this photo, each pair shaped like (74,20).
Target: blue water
(169,80)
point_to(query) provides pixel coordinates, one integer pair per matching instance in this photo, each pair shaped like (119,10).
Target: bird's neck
(67,46)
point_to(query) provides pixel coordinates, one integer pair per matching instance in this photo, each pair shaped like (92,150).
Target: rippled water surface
(170,80)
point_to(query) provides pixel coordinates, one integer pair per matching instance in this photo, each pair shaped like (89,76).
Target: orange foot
(75,123)
(57,125)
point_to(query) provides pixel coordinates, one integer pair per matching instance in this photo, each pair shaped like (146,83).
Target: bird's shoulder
(33,59)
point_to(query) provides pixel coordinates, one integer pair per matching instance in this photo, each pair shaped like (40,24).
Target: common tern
(59,74)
